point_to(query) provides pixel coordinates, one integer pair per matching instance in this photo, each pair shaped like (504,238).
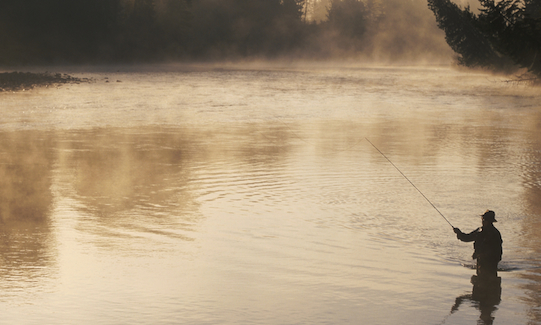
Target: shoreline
(21,81)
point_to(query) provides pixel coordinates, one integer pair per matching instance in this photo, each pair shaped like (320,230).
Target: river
(174,194)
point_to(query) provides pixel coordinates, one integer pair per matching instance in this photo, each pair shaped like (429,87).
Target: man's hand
(456,230)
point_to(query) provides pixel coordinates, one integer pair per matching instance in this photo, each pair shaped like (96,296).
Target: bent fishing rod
(441,214)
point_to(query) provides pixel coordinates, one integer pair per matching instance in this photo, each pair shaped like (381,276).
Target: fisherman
(487,245)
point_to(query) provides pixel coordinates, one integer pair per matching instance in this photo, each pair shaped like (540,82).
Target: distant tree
(349,17)
(138,30)
(293,9)
(320,10)
(289,28)
(174,23)
(246,27)
(506,34)
(346,26)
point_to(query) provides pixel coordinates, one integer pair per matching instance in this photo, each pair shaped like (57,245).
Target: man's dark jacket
(487,245)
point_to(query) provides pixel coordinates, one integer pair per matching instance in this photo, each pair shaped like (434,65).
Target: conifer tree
(504,36)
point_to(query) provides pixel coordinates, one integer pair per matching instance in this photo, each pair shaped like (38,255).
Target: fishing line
(410,182)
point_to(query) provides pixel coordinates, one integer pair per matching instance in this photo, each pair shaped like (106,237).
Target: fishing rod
(410,182)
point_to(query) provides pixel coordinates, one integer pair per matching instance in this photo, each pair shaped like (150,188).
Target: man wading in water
(487,246)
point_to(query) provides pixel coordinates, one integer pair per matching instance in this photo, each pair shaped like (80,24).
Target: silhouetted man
(487,245)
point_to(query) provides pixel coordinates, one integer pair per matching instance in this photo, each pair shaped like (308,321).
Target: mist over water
(205,195)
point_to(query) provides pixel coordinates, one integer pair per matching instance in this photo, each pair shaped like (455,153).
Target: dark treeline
(92,31)
(89,30)
(246,27)
(504,36)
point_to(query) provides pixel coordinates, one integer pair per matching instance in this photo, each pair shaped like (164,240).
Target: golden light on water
(251,196)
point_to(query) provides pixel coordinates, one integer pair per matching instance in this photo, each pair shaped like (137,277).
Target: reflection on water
(485,296)
(531,225)
(131,183)
(27,244)
(253,197)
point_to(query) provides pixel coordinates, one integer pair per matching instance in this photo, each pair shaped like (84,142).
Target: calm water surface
(174,195)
